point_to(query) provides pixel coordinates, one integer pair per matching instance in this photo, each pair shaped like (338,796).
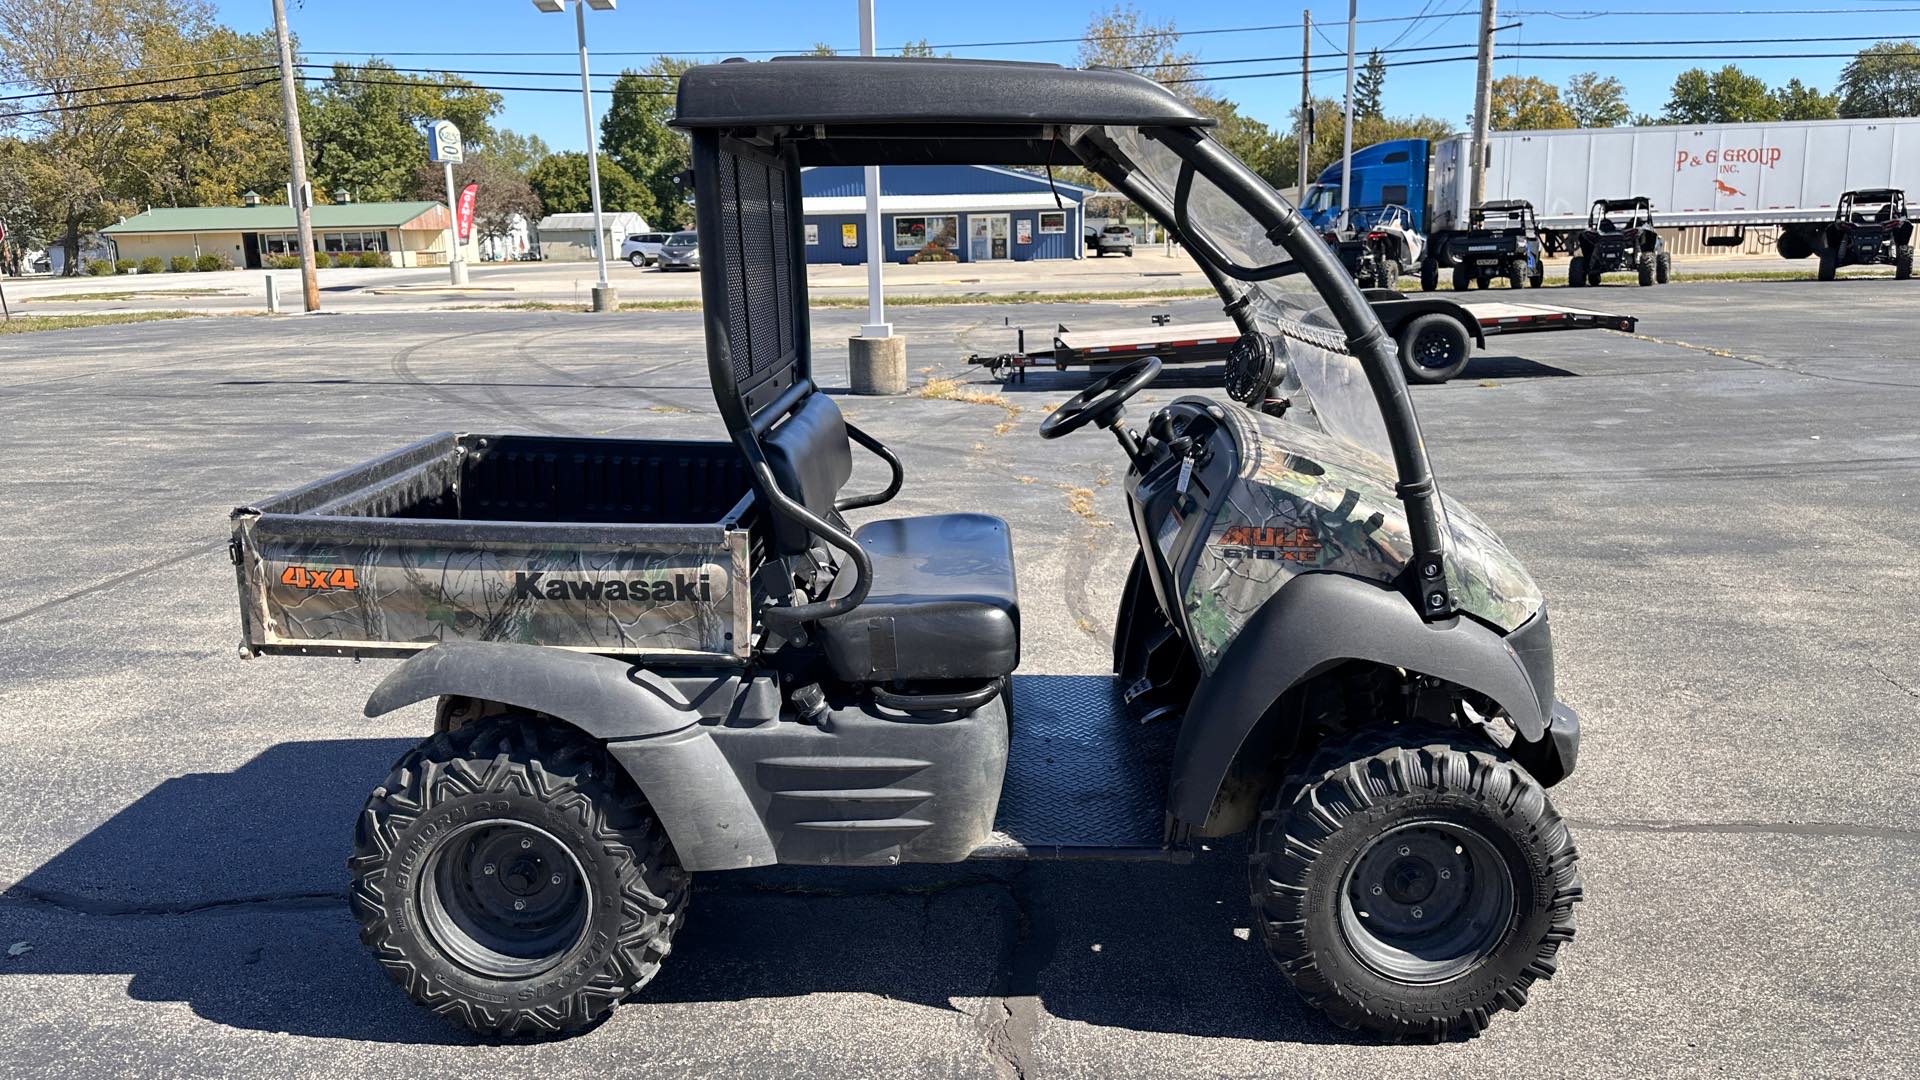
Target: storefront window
(1053,221)
(915,233)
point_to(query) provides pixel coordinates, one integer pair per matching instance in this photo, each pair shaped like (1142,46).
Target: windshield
(1326,385)
(1370,217)
(683,240)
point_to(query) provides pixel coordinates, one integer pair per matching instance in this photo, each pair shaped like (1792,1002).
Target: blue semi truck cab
(1393,173)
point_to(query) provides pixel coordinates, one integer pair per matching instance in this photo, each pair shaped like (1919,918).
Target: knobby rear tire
(516,769)
(1317,827)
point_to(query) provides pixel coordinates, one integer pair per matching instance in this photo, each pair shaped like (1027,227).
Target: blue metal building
(978,213)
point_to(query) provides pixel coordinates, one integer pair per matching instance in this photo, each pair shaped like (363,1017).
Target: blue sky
(753,27)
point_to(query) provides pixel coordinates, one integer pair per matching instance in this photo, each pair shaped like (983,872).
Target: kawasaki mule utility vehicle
(1619,236)
(1869,227)
(653,659)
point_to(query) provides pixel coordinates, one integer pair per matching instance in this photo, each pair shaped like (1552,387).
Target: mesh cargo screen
(758,244)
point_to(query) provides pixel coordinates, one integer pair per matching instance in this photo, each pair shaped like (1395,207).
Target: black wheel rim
(1426,901)
(1434,349)
(504,899)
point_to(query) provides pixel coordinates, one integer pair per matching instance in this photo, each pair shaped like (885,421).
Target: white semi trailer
(1719,178)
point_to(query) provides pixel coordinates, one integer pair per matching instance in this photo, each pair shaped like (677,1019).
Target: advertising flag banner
(464,217)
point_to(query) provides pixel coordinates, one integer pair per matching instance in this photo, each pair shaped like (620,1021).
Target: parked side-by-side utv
(1619,237)
(1502,240)
(1869,227)
(652,658)
(1377,244)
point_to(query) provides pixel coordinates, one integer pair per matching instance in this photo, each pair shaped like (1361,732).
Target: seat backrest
(811,461)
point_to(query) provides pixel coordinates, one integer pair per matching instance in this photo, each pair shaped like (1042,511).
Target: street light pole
(1346,153)
(877,325)
(604,298)
(299,194)
(877,359)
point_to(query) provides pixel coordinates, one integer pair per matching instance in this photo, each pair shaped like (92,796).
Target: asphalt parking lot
(1722,513)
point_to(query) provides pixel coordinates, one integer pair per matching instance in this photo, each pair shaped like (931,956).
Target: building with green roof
(405,233)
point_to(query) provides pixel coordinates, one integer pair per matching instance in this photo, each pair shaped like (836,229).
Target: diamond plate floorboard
(1082,773)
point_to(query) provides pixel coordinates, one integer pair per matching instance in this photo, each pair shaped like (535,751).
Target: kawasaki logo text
(680,588)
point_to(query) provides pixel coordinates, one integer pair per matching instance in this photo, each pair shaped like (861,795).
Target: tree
(922,48)
(1527,103)
(1369,86)
(1597,102)
(1882,80)
(1795,101)
(205,151)
(514,151)
(366,126)
(75,154)
(1122,37)
(1329,136)
(635,133)
(503,194)
(1727,96)
(561,182)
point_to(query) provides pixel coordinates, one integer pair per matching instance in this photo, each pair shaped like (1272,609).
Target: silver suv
(1112,238)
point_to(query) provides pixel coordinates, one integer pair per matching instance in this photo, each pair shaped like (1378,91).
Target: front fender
(1314,623)
(649,726)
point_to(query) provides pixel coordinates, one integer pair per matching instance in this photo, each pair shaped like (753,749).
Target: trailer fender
(645,721)
(1397,312)
(1314,624)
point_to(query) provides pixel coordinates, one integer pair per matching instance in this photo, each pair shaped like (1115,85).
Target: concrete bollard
(607,299)
(273,296)
(877,365)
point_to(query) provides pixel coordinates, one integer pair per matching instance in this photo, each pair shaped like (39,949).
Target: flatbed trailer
(1210,342)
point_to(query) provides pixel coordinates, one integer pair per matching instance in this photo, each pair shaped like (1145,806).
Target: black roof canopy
(892,90)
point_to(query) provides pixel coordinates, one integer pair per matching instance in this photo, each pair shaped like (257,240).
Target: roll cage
(1891,204)
(1517,211)
(1639,211)
(755,125)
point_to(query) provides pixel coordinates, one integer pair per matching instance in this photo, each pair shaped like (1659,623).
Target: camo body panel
(1303,501)
(602,598)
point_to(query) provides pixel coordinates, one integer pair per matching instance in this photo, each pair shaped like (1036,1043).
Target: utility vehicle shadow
(227,891)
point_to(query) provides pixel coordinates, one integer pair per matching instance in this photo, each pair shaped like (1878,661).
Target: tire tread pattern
(1348,775)
(544,761)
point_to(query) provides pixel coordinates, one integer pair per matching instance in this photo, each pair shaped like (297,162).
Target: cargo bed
(615,546)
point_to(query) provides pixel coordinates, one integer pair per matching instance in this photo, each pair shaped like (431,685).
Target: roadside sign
(849,235)
(443,143)
(464,216)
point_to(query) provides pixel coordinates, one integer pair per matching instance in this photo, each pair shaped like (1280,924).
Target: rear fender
(1316,623)
(647,722)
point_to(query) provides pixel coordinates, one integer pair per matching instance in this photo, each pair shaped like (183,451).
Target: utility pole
(1305,133)
(300,192)
(1482,106)
(1346,153)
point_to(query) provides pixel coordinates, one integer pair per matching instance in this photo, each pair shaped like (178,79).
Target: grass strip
(33,324)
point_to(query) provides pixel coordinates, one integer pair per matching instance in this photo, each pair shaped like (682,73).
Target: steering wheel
(1100,401)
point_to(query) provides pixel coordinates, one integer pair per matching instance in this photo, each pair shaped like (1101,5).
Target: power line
(194,95)
(1562,56)
(140,83)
